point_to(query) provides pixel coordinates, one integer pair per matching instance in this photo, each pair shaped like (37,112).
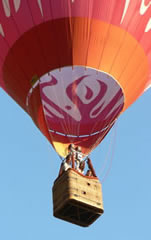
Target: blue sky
(29,165)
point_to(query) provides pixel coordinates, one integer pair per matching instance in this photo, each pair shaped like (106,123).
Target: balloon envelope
(75,65)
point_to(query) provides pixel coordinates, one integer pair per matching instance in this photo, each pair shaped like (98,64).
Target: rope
(111,151)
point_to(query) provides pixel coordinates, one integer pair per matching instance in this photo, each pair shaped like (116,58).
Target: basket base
(77,213)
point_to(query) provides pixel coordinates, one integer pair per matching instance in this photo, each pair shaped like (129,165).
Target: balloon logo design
(80,96)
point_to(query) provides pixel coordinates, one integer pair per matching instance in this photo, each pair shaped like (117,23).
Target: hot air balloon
(74,66)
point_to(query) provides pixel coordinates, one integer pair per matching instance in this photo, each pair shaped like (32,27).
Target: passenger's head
(71,146)
(78,149)
(82,165)
(68,160)
(89,173)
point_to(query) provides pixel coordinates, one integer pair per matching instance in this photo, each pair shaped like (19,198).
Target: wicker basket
(77,198)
